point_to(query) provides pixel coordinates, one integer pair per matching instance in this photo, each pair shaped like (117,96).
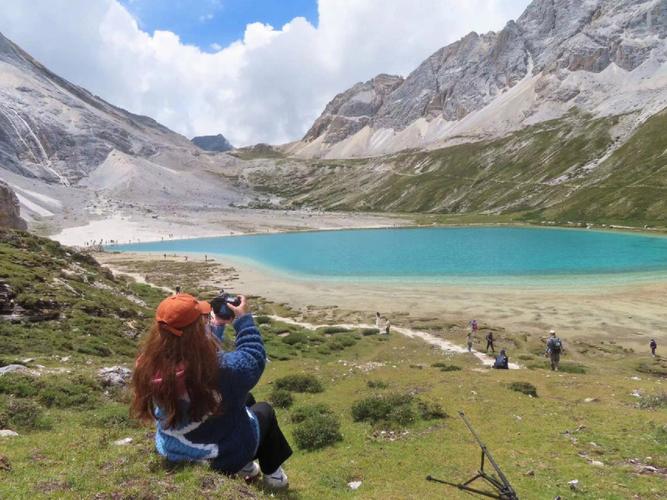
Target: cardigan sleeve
(245,364)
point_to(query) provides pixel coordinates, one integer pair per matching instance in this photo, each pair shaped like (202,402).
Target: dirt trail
(445,345)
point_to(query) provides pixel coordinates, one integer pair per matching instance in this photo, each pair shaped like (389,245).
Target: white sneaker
(250,471)
(276,480)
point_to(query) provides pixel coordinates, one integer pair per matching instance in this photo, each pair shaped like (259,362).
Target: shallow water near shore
(458,254)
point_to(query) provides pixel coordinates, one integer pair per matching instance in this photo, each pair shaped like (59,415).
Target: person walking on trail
(554,350)
(378,320)
(489,342)
(197,395)
(471,333)
(387,327)
(502,361)
(653,345)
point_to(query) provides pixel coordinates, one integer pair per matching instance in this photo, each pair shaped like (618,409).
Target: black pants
(489,343)
(273,448)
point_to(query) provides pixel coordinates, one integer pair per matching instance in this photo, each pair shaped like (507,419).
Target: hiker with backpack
(554,349)
(653,345)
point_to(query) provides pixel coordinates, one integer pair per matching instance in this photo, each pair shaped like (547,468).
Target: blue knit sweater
(232,437)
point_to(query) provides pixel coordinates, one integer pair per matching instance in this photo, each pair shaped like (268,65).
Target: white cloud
(267,87)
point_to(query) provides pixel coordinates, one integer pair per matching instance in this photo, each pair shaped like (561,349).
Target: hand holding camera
(227,307)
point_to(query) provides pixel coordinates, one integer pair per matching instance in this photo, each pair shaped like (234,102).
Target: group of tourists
(553,351)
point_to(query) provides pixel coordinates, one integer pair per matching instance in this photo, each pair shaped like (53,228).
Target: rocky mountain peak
(353,109)
(212,143)
(551,47)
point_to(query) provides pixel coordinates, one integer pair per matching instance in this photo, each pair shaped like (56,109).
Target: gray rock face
(212,143)
(352,110)
(55,131)
(9,209)
(551,37)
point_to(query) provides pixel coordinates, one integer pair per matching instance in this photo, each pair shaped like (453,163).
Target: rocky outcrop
(9,209)
(553,46)
(352,110)
(212,143)
(57,132)
(70,155)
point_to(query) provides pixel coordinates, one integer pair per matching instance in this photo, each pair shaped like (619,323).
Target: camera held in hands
(220,307)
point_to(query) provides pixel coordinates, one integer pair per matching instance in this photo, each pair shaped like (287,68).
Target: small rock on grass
(574,484)
(354,485)
(123,442)
(5,464)
(8,433)
(114,376)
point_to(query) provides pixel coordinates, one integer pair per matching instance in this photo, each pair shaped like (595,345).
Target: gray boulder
(114,376)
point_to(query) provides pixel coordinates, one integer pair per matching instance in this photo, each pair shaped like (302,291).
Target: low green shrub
(652,369)
(430,410)
(297,337)
(653,402)
(23,414)
(334,329)
(444,367)
(385,409)
(281,398)
(19,385)
(262,320)
(376,384)
(60,392)
(112,416)
(316,427)
(324,349)
(572,367)
(525,388)
(366,332)
(299,382)
(567,367)
(302,413)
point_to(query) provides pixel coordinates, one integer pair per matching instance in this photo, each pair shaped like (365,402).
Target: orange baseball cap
(178,311)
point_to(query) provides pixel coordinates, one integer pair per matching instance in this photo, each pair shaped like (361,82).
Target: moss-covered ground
(584,424)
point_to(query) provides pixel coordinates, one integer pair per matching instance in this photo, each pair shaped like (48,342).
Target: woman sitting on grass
(197,394)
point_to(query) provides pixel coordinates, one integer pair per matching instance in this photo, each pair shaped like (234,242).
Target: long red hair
(155,381)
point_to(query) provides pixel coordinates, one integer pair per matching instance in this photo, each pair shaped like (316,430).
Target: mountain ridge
(558,54)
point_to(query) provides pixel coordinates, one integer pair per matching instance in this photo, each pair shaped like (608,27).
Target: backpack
(556,345)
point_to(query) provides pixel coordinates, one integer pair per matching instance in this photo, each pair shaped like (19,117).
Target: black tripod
(504,490)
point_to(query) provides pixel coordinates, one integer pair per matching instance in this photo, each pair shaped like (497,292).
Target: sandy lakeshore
(629,314)
(183,224)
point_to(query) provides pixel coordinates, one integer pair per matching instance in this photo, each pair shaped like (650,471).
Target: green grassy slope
(535,173)
(584,424)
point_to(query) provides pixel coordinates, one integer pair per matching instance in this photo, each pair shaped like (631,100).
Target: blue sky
(213,24)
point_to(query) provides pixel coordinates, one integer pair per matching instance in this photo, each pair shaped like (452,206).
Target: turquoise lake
(436,253)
